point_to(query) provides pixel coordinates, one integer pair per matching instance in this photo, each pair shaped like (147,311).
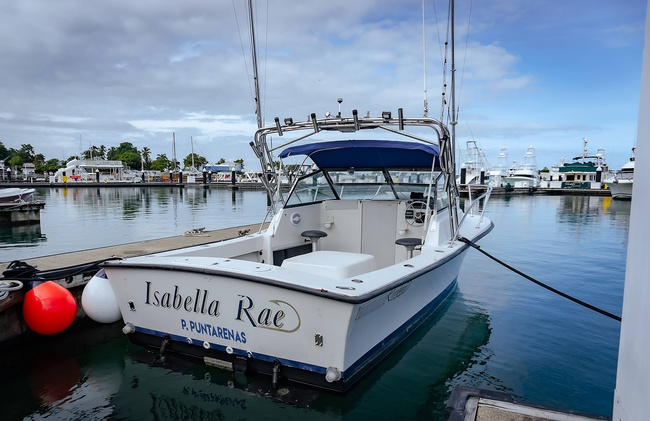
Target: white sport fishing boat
(621,182)
(362,251)
(524,175)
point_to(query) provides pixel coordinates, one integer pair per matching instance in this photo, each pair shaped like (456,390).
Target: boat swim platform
(12,325)
(473,404)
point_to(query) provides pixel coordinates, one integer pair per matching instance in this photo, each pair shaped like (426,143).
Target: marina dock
(20,213)
(209,185)
(497,191)
(472,404)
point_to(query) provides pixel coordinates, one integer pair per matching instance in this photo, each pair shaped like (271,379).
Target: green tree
(54,163)
(161,163)
(131,159)
(15,162)
(50,165)
(146,157)
(240,161)
(198,161)
(221,161)
(26,153)
(95,152)
(127,153)
(39,159)
(4,152)
(112,154)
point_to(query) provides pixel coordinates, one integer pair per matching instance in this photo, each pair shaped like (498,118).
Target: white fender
(98,300)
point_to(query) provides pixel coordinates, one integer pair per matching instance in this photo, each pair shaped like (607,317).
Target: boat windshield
(367,185)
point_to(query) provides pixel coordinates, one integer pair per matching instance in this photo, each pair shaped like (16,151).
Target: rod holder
(313,120)
(278,126)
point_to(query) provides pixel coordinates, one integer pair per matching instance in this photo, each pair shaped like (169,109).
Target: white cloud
(136,71)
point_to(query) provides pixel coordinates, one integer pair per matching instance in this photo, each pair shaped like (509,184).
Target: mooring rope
(7,286)
(20,271)
(543,285)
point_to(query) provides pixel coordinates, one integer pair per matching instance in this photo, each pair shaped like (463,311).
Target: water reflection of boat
(16,195)
(23,234)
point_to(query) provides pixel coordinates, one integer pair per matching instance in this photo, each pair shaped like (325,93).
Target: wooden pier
(16,213)
(12,325)
(472,404)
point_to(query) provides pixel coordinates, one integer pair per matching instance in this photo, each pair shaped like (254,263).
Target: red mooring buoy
(49,308)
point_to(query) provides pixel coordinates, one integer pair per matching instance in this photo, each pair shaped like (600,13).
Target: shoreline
(259,186)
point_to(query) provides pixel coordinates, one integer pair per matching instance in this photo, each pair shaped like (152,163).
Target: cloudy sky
(542,73)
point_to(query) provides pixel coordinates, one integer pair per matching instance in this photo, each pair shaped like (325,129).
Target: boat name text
(199,303)
(275,314)
(216,331)
(268,318)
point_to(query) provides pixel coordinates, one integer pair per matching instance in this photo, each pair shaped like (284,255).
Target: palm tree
(146,156)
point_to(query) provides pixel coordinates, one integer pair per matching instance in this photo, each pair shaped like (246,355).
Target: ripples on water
(499,332)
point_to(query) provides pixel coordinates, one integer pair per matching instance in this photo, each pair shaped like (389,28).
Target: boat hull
(247,323)
(521,181)
(621,189)
(14,194)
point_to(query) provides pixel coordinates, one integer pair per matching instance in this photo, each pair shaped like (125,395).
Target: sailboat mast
(258,111)
(192,145)
(173,151)
(453,81)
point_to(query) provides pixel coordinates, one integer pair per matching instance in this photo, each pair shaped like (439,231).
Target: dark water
(499,332)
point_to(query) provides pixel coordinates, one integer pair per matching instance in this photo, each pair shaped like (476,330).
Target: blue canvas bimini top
(367,154)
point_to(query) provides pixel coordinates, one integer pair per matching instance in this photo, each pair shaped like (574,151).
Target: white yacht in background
(474,167)
(95,170)
(621,182)
(524,175)
(586,171)
(499,170)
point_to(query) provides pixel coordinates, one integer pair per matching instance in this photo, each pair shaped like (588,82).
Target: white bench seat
(332,264)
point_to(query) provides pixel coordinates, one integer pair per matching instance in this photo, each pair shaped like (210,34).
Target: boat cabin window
(372,184)
(311,188)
